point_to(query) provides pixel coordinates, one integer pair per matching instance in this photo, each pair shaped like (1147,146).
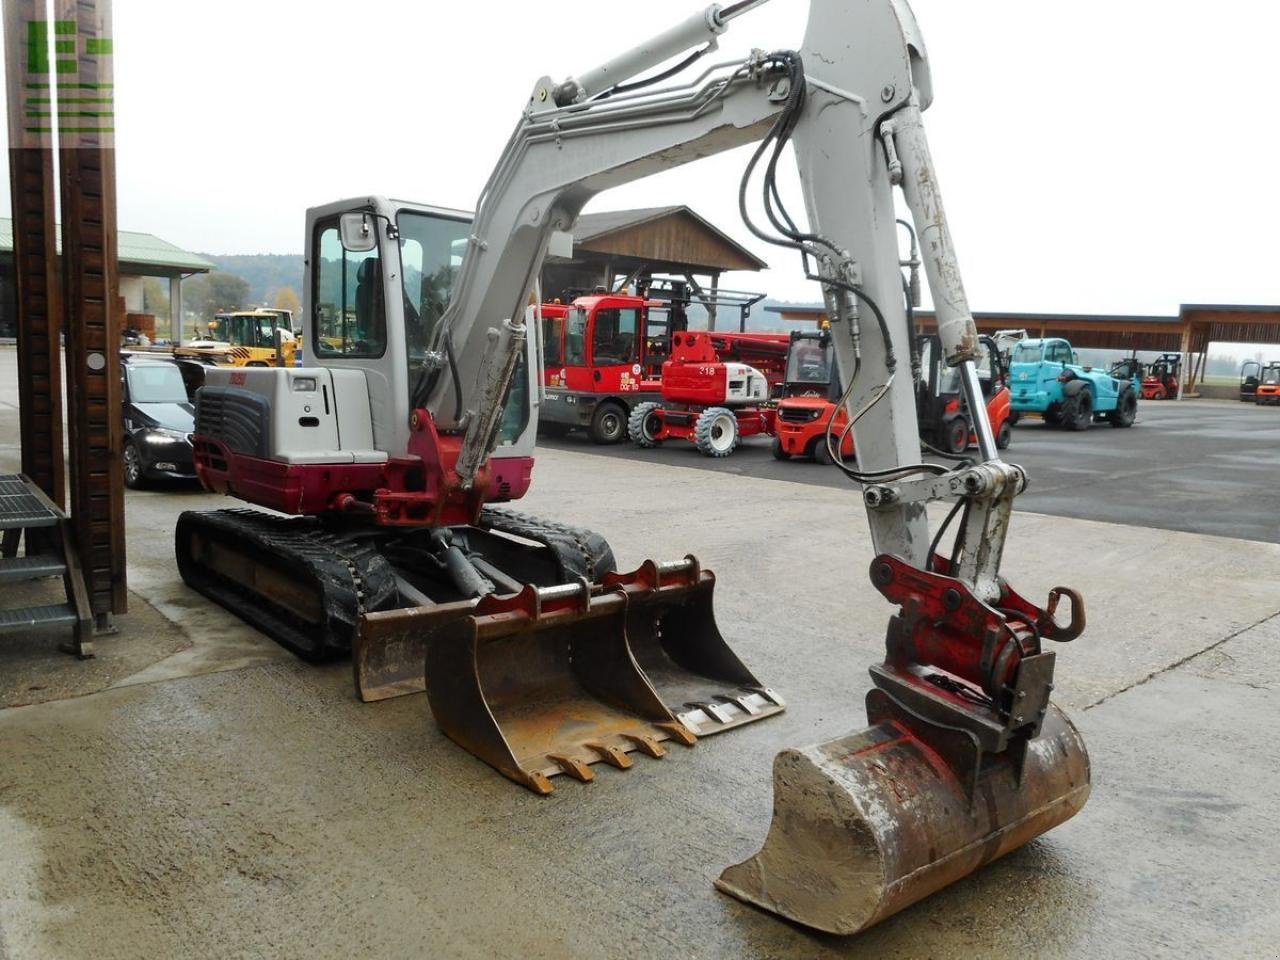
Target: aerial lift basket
(935,786)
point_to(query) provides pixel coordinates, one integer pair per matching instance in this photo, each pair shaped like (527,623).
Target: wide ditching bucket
(868,824)
(542,683)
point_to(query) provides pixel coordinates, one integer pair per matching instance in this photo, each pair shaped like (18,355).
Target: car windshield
(156,383)
(1027,353)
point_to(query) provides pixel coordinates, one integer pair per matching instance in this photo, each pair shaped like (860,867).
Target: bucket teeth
(614,756)
(573,767)
(646,745)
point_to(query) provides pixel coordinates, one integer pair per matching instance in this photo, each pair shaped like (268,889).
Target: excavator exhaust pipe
(866,825)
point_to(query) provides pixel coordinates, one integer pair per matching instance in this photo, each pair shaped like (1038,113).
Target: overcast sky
(1100,155)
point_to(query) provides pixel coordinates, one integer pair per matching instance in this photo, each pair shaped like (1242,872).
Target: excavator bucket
(672,629)
(868,824)
(388,656)
(543,682)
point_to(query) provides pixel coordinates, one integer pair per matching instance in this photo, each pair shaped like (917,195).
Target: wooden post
(86,139)
(35,256)
(1186,358)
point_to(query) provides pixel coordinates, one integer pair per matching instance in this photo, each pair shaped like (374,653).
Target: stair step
(25,618)
(30,568)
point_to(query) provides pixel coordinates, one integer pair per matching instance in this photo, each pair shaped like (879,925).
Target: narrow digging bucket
(543,683)
(868,824)
(671,625)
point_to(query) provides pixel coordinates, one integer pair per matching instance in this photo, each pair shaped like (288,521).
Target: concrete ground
(1204,466)
(228,801)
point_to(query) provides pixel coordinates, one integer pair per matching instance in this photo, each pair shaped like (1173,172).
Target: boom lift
(966,758)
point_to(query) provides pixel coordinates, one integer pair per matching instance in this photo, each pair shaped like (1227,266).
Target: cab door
(616,336)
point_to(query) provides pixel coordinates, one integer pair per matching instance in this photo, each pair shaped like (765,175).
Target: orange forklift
(810,399)
(1162,379)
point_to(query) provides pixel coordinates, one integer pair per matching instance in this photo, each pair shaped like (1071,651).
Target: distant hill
(264,272)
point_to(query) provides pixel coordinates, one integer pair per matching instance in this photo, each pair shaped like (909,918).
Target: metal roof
(135,250)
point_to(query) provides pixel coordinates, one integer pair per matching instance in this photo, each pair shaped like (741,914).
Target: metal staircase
(27,514)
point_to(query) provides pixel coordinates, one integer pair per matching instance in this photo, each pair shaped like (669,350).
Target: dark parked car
(158,419)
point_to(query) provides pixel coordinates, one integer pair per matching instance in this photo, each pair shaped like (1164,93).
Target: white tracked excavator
(420,411)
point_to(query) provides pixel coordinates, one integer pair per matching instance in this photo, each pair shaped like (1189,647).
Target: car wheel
(133,477)
(609,423)
(644,425)
(716,432)
(1014,417)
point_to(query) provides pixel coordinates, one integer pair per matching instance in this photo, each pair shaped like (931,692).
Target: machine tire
(134,478)
(955,435)
(1077,411)
(821,452)
(1126,410)
(1004,436)
(639,425)
(608,423)
(716,432)
(1014,417)
(778,452)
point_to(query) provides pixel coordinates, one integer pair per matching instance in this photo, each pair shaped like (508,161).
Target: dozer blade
(868,824)
(672,628)
(542,683)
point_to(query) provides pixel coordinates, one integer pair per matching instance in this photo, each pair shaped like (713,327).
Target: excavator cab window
(614,341)
(350,313)
(431,249)
(552,341)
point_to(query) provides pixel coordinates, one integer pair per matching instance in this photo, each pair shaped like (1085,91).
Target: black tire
(716,432)
(1004,436)
(1014,417)
(778,452)
(1051,416)
(1126,410)
(643,425)
(955,435)
(608,423)
(821,452)
(134,477)
(1077,411)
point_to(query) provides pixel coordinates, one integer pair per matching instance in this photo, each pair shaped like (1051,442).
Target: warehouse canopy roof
(139,253)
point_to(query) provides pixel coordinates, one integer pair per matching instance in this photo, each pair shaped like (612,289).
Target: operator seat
(371,320)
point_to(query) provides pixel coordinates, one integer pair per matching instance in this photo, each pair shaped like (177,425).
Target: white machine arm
(855,122)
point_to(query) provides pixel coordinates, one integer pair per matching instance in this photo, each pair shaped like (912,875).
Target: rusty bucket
(868,824)
(672,629)
(542,683)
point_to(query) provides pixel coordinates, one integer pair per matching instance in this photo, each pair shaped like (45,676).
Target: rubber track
(351,577)
(580,552)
